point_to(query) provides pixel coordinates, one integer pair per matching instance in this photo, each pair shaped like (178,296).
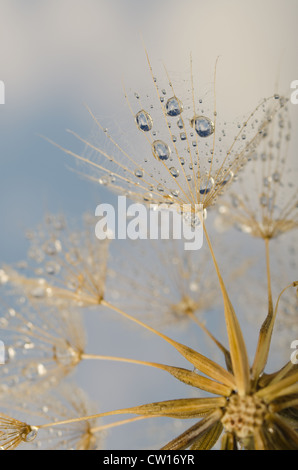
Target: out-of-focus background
(57,55)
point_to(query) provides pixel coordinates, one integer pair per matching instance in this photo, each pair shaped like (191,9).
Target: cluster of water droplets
(40,345)
(202,126)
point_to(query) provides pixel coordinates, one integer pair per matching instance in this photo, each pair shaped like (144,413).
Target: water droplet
(52,247)
(263,200)
(3,277)
(147,197)
(175,192)
(174,106)
(266,181)
(65,355)
(225,178)
(29,325)
(174,172)
(191,219)
(204,127)
(38,292)
(33,371)
(103,180)
(160,150)
(182,136)
(180,123)
(3,322)
(206,183)
(144,121)
(139,173)
(194,287)
(11,352)
(31,434)
(52,268)
(276,177)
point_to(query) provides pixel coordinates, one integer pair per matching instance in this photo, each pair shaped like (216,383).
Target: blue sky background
(56,55)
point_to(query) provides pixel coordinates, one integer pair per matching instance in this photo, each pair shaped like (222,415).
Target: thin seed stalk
(270,302)
(183,375)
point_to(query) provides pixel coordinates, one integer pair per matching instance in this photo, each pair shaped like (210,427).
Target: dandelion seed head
(166,129)
(264,201)
(67,265)
(65,402)
(14,432)
(43,345)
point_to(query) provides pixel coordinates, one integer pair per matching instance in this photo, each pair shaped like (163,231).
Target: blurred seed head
(43,344)
(14,432)
(67,265)
(265,201)
(65,402)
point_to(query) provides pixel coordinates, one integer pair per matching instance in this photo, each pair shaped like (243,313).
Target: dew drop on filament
(144,121)
(276,177)
(206,184)
(203,126)
(180,123)
(31,434)
(139,173)
(174,106)
(263,200)
(174,172)
(161,150)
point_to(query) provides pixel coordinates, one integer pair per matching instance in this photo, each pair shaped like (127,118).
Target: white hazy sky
(81,47)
